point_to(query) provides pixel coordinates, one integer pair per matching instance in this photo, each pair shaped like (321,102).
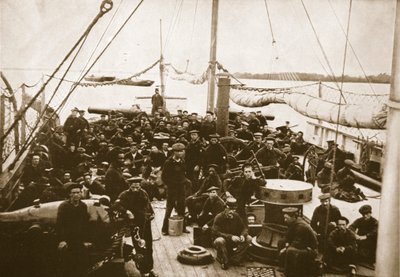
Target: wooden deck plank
(166,249)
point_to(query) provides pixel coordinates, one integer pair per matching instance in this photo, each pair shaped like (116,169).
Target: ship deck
(166,247)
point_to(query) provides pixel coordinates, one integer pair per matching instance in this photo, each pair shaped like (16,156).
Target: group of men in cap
(328,235)
(137,157)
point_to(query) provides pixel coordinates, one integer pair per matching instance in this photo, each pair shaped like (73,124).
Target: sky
(36,34)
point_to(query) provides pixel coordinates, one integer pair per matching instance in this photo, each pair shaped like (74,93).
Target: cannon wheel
(228,142)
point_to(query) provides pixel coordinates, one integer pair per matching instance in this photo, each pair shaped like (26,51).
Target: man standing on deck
(174,176)
(231,236)
(215,153)
(114,180)
(71,226)
(71,127)
(319,218)
(157,101)
(300,249)
(137,202)
(193,156)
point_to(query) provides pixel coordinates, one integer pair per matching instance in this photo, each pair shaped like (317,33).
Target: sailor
(32,171)
(114,180)
(71,127)
(174,176)
(319,218)
(194,152)
(342,247)
(269,156)
(71,228)
(209,126)
(300,246)
(244,133)
(157,101)
(346,180)
(324,177)
(231,239)
(215,153)
(134,160)
(366,230)
(136,200)
(295,170)
(213,206)
(298,144)
(196,201)
(254,123)
(243,188)
(254,146)
(261,118)
(194,124)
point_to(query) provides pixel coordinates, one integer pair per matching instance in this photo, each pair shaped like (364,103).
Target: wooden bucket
(175,225)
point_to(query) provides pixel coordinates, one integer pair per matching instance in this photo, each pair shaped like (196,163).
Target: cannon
(127,112)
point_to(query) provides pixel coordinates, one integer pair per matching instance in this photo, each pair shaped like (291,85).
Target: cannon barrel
(124,111)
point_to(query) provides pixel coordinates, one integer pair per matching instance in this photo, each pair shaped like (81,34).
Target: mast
(213,56)
(387,256)
(162,67)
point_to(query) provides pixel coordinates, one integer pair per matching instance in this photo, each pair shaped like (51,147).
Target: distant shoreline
(381,78)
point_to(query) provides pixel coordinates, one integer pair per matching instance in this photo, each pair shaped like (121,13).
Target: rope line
(320,45)
(106,6)
(269,21)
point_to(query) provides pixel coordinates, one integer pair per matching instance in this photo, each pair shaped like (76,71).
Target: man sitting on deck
(300,249)
(231,235)
(342,248)
(366,230)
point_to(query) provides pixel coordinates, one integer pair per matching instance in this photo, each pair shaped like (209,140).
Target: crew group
(207,179)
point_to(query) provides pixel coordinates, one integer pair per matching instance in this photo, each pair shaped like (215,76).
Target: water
(118,96)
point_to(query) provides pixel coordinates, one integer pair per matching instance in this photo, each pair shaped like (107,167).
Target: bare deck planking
(165,249)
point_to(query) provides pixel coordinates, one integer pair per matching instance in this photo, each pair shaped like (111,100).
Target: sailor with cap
(254,146)
(193,156)
(244,133)
(319,218)
(261,118)
(136,200)
(114,180)
(157,101)
(215,153)
(71,127)
(346,180)
(209,126)
(196,201)
(324,177)
(295,170)
(254,123)
(212,206)
(194,124)
(174,177)
(71,228)
(270,156)
(366,230)
(300,250)
(231,238)
(134,160)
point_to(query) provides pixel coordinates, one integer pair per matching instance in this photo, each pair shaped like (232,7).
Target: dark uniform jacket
(115,182)
(365,227)
(173,171)
(193,154)
(208,128)
(227,227)
(318,219)
(269,157)
(242,188)
(138,203)
(300,235)
(215,154)
(72,223)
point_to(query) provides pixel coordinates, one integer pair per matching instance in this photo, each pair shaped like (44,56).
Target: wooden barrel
(175,225)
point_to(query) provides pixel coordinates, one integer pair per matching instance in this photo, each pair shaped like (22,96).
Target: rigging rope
(76,84)
(352,49)
(321,47)
(191,37)
(270,24)
(105,7)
